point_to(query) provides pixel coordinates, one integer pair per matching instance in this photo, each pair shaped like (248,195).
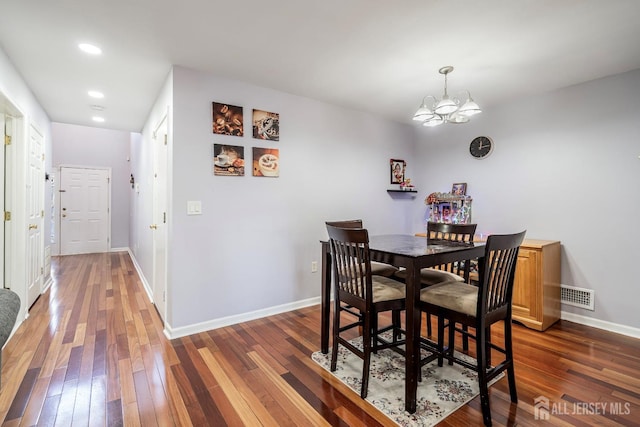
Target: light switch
(194,207)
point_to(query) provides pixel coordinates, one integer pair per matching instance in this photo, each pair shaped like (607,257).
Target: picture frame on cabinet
(459,189)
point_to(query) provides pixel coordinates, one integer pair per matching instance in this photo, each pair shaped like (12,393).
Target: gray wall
(95,147)
(565,167)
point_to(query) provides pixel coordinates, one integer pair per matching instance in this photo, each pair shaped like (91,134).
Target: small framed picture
(459,189)
(227,119)
(397,170)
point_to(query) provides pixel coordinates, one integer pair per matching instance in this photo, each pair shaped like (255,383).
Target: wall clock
(481,147)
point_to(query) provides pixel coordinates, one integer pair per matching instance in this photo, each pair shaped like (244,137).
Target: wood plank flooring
(92,353)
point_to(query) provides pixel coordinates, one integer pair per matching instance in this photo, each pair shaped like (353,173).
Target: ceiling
(378,56)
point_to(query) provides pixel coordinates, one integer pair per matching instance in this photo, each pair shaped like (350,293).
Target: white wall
(252,247)
(565,167)
(96,147)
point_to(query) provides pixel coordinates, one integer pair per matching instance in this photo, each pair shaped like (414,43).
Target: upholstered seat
(431,276)
(453,295)
(382,269)
(385,289)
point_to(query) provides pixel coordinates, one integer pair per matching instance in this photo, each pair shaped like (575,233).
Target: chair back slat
(352,264)
(497,272)
(463,233)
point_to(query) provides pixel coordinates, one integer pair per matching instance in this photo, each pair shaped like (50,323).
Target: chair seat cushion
(381,269)
(432,276)
(453,295)
(386,289)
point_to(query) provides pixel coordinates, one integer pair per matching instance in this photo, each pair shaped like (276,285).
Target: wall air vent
(577,297)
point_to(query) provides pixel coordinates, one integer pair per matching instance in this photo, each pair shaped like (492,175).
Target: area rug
(441,392)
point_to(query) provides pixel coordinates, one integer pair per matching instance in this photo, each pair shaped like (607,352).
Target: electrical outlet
(314,266)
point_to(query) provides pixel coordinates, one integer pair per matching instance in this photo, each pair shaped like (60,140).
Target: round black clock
(481,147)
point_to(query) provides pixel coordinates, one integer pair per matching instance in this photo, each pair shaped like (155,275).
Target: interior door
(84,210)
(35,215)
(159,225)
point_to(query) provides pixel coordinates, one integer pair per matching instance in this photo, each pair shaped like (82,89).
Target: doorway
(85,218)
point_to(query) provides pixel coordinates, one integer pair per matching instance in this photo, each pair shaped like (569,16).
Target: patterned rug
(441,392)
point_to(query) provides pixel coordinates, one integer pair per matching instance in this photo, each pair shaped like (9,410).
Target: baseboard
(145,283)
(119,250)
(601,324)
(232,320)
(47,284)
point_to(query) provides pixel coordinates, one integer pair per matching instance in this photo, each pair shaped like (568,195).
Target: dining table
(412,253)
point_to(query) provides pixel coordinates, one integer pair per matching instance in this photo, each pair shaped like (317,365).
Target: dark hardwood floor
(92,353)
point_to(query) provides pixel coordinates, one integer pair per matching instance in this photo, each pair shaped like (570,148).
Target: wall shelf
(402,191)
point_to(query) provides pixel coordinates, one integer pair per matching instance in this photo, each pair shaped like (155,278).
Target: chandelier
(446,110)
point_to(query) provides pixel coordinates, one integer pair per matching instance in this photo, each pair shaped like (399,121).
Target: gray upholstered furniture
(9,307)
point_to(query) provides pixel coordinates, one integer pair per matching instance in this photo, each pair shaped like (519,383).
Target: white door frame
(58,219)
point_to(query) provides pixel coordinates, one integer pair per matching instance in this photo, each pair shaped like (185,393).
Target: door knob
(33,226)
(153,227)
(64,215)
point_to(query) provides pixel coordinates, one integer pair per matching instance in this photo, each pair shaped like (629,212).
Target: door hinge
(43,157)
(42,214)
(41,270)
(7,140)
(165,139)
(164,296)
(164,217)
(7,216)
(108,180)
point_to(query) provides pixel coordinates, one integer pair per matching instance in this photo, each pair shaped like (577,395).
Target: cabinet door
(526,289)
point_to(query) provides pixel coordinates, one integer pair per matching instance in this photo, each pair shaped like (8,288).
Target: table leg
(325,295)
(412,360)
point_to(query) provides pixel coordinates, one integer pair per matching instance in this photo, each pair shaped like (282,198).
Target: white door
(84,210)
(159,225)
(35,215)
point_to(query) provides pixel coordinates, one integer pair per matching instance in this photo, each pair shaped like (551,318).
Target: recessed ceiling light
(98,119)
(89,48)
(96,94)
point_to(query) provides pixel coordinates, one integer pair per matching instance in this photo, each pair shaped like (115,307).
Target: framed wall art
(397,170)
(459,189)
(227,119)
(266,125)
(228,160)
(266,162)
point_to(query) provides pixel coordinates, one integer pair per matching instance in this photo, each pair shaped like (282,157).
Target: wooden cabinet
(536,291)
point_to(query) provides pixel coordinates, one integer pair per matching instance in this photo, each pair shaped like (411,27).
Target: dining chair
(377,268)
(443,232)
(355,286)
(479,307)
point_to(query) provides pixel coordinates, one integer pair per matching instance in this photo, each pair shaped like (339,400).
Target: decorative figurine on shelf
(406,185)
